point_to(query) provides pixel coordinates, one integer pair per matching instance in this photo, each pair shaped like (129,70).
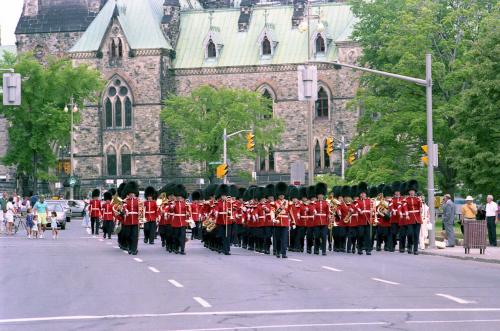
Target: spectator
(42,214)
(3,207)
(29,222)
(491,219)
(424,229)
(53,225)
(9,215)
(449,219)
(469,210)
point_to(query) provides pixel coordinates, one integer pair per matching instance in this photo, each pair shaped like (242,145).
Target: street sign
(11,89)
(72,181)
(58,185)
(110,181)
(200,181)
(307,82)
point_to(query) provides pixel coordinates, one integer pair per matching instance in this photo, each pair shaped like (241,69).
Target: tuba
(117,203)
(142,212)
(333,205)
(347,218)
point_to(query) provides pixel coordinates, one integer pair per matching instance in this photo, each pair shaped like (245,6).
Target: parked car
(67,209)
(77,207)
(61,213)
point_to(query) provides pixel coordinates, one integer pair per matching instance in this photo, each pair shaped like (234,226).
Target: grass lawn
(458,232)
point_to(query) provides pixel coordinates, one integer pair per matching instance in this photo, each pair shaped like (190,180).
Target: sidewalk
(491,255)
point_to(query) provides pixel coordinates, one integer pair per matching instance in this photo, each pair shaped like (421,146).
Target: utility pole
(427,82)
(225,137)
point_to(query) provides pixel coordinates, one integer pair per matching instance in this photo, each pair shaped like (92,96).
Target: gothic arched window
(326,156)
(120,48)
(266,94)
(317,156)
(118,105)
(113,49)
(126,161)
(111,161)
(322,103)
(266,46)
(320,44)
(270,156)
(211,50)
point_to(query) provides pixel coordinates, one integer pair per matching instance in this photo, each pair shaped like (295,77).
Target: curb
(464,257)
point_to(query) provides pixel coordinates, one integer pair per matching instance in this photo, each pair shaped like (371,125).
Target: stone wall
(44,44)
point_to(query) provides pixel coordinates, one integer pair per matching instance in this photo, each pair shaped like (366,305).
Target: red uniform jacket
(249,214)
(295,214)
(321,213)
(342,212)
(95,208)
(307,214)
(196,209)
(107,211)
(164,214)
(259,215)
(237,213)
(269,206)
(385,223)
(220,212)
(131,208)
(283,218)
(364,210)
(414,206)
(395,209)
(151,210)
(180,214)
(354,214)
(118,215)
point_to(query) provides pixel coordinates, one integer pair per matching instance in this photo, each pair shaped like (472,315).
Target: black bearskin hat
(121,190)
(387,191)
(221,190)
(311,191)
(413,185)
(303,192)
(293,192)
(260,193)
(321,188)
(372,192)
(234,191)
(396,187)
(210,190)
(196,195)
(112,191)
(281,189)
(108,196)
(150,192)
(96,193)
(362,187)
(180,191)
(132,187)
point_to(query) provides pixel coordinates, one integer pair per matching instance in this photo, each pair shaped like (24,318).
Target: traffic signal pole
(427,82)
(225,137)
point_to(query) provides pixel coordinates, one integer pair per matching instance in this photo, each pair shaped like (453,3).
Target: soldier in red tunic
(95,211)
(235,206)
(404,221)
(311,197)
(295,220)
(282,221)
(414,207)
(321,219)
(259,217)
(209,238)
(119,215)
(352,234)
(251,221)
(222,213)
(304,219)
(107,215)
(196,213)
(131,221)
(151,215)
(245,217)
(268,229)
(384,220)
(342,215)
(395,210)
(181,213)
(363,206)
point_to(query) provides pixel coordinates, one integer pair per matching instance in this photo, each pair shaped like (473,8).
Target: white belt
(179,215)
(222,213)
(132,213)
(414,211)
(366,211)
(321,214)
(150,212)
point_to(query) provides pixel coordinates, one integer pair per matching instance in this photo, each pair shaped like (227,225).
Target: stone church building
(146,49)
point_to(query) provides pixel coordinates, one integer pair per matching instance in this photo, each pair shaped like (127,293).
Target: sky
(10,11)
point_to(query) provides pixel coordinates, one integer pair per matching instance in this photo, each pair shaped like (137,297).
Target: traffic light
(425,158)
(329,146)
(351,158)
(11,89)
(250,141)
(221,171)
(67,167)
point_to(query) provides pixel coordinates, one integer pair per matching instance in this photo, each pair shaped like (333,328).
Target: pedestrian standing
(3,208)
(53,225)
(9,215)
(424,230)
(449,219)
(469,210)
(42,213)
(29,222)
(491,219)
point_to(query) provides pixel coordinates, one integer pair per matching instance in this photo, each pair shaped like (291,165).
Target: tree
(40,123)
(395,36)
(199,119)
(477,127)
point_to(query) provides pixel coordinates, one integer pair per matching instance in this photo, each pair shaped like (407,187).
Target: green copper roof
(243,48)
(140,21)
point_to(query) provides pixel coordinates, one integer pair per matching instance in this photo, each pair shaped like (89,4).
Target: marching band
(348,219)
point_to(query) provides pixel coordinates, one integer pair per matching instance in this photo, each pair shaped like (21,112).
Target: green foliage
(199,119)
(477,142)
(40,123)
(395,36)
(331,180)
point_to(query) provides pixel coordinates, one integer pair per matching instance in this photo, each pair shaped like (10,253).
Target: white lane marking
(330,268)
(202,302)
(452,298)
(385,281)
(257,327)
(292,259)
(116,247)
(175,283)
(251,312)
(453,321)
(137,259)
(153,269)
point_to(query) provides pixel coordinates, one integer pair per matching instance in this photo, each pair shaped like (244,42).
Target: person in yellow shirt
(469,210)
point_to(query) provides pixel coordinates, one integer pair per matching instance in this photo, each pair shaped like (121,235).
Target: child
(29,222)
(53,225)
(34,229)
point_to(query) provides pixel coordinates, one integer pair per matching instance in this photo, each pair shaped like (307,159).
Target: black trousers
(149,232)
(393,236)
(131,237)
(404,237)
(94,223)
(320,238)
(122,242)
(107,228)
(280,240)
(339,237)
(414,235)
(364,238)
(383,235)
(309,238)
(492,230)
(224,237)
(179,238)
(299,238)
(352,237)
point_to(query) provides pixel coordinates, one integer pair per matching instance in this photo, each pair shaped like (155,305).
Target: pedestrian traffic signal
(425,158)
(250,141)
(221,171)
(11,89)
(329,146)
(351,158)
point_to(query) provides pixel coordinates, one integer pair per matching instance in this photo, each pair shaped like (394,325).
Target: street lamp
(304,26)
(74,109)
